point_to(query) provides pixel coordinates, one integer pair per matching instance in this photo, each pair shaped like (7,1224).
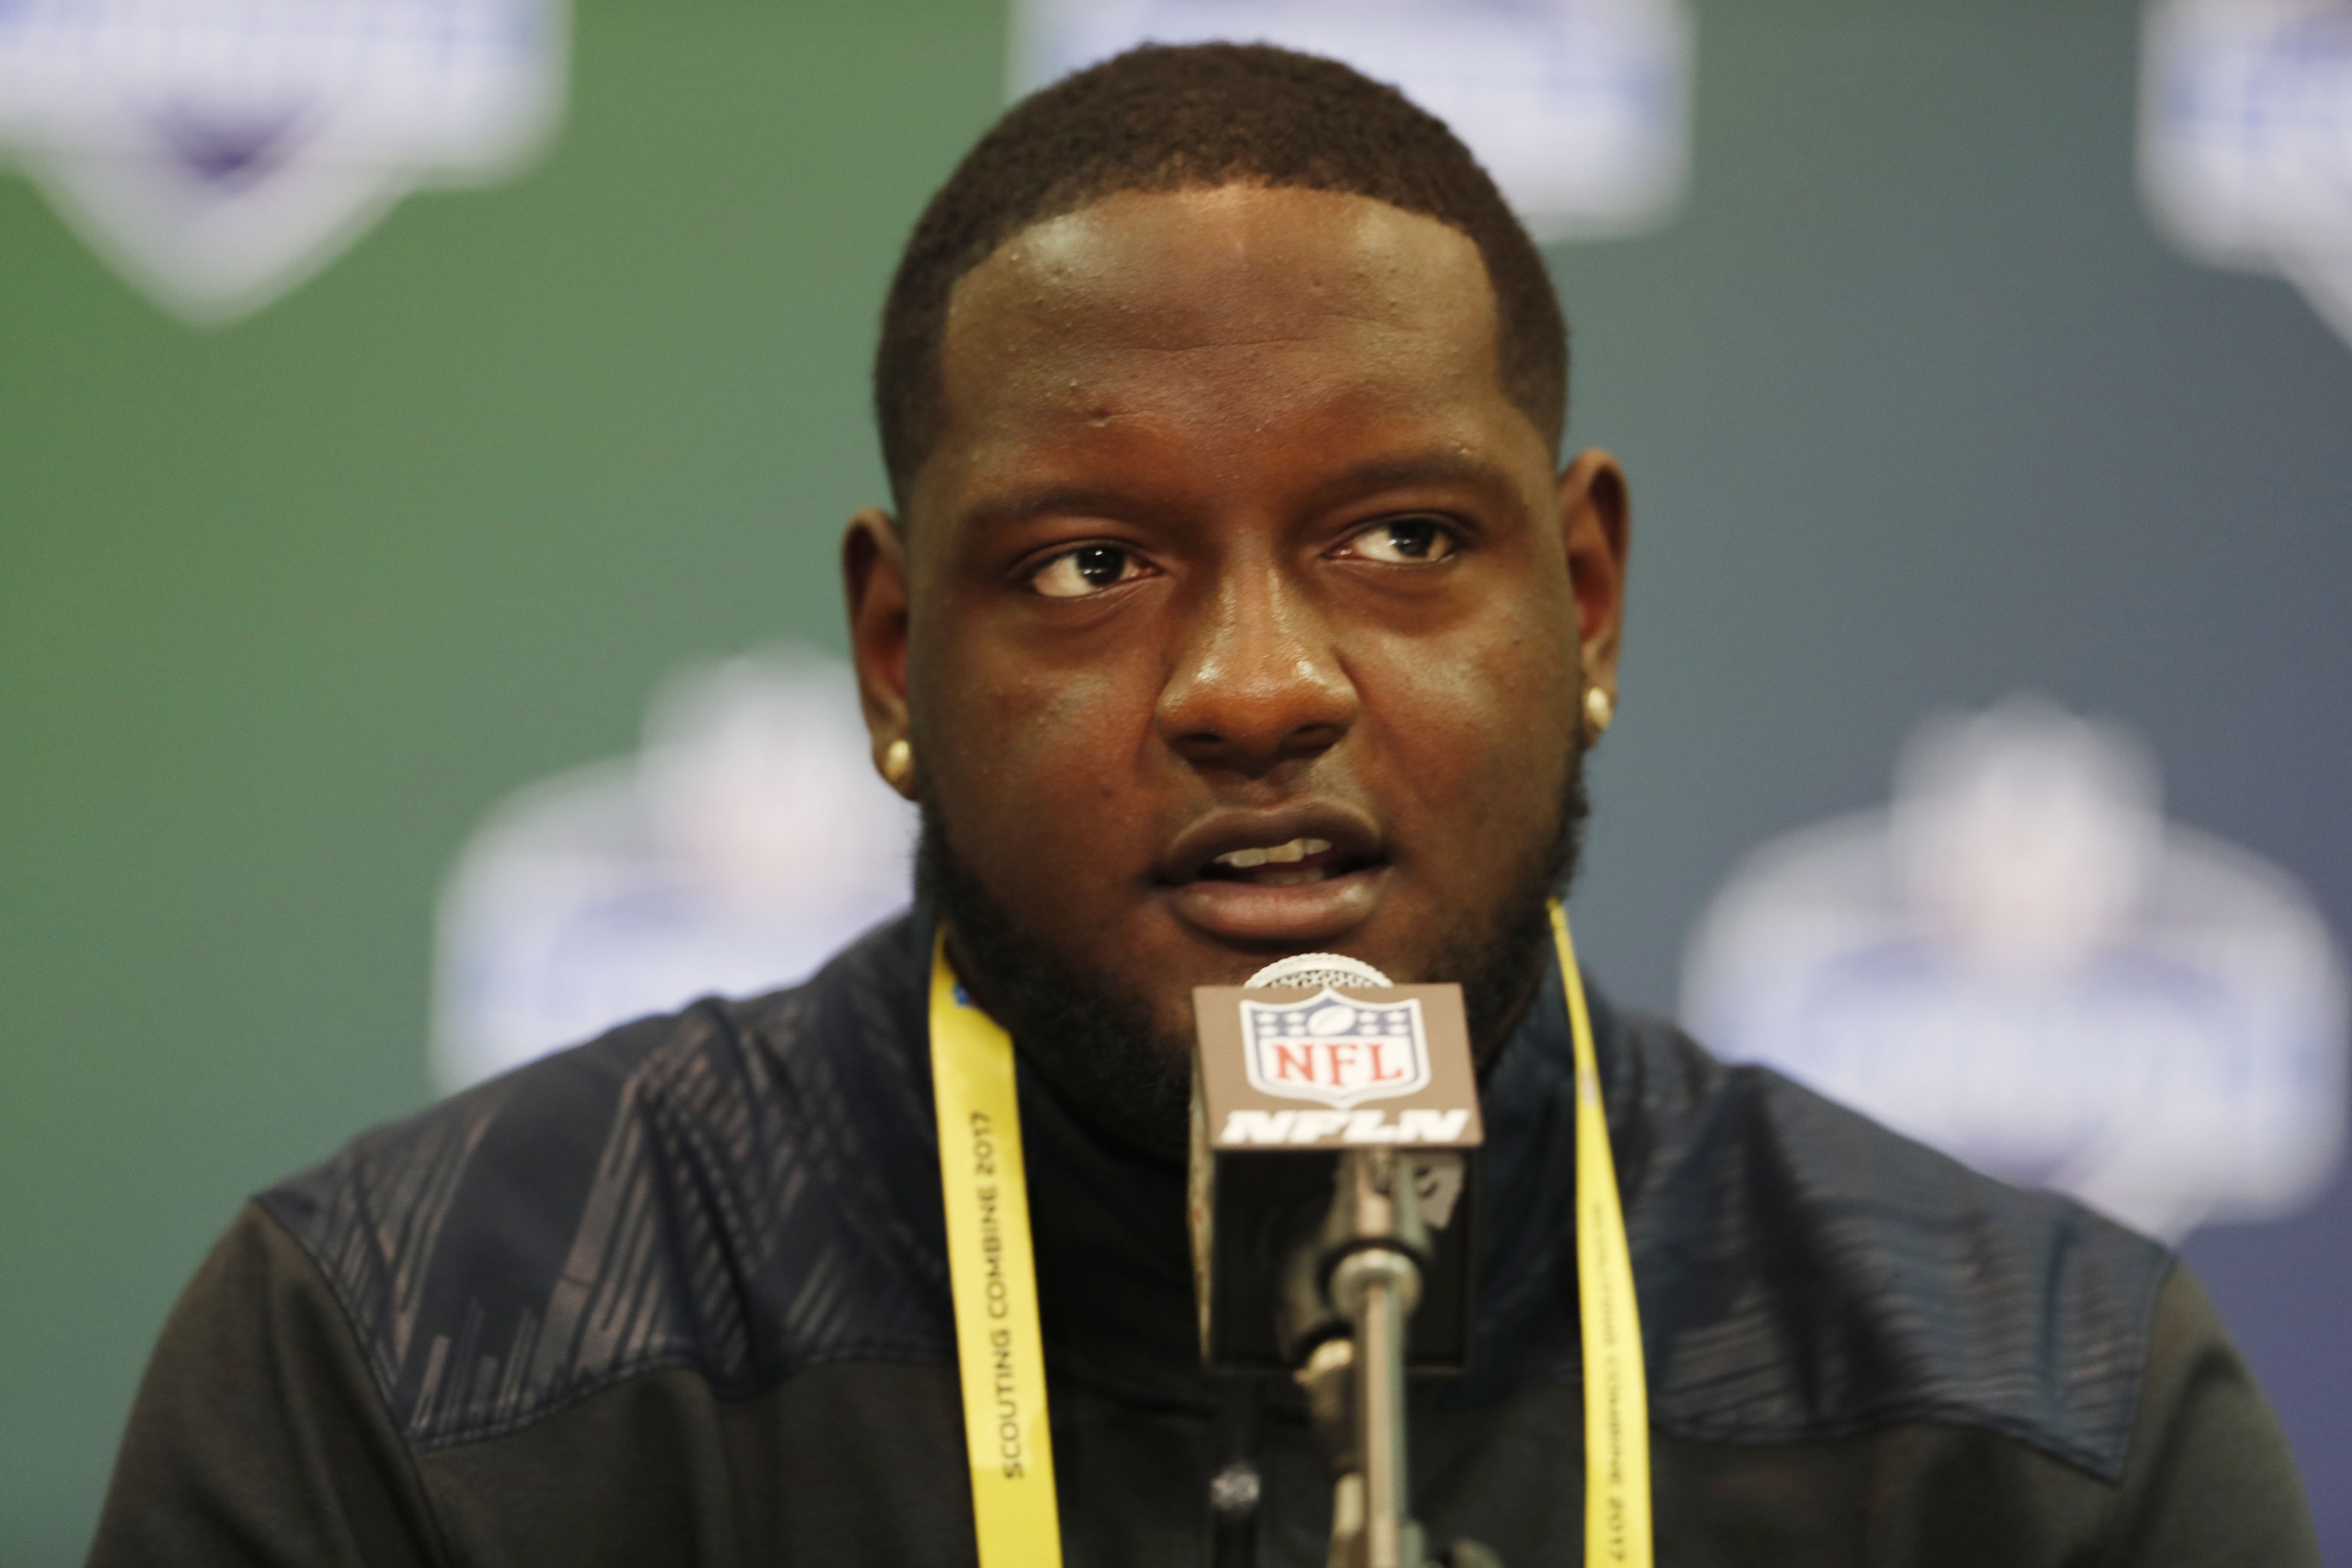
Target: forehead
(1216,317)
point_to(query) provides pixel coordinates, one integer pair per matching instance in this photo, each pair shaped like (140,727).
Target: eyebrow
(1435,468)
(1021,503)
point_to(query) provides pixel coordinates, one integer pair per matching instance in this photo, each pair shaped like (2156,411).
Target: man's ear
(874,577)
(1595,518)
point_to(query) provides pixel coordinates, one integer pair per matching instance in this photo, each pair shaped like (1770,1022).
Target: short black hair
(1166,118)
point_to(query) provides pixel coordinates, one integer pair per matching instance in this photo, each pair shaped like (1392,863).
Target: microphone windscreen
(1314,971)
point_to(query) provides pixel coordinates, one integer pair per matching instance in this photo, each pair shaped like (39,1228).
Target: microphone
(1333,1117)
(1317,1055)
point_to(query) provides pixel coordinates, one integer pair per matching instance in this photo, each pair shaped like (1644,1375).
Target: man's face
(1237,612)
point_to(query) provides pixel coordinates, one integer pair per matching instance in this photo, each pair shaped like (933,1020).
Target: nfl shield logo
(1329,1049)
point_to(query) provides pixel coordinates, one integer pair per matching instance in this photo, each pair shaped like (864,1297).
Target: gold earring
(1599,708)
(898,764)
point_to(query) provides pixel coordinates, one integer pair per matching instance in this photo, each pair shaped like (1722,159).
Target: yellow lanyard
(1616,1396)
(994,1276)
(1000,1350)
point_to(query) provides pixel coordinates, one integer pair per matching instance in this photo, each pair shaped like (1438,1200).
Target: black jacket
(679,1297)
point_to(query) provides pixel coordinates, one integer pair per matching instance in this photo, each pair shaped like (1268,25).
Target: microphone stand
(1360,1280)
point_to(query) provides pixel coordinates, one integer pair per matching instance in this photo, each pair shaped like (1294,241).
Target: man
(1237,603)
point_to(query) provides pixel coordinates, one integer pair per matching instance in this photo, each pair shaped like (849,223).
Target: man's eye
(1404,540)
(1089,569)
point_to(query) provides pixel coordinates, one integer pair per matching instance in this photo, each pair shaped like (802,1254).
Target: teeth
(1280,854)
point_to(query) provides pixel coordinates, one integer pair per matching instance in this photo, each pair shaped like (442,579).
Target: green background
(1918,407)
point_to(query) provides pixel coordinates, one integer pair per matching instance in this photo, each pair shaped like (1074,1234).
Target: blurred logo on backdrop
(2021,962)
(1579,108)
(2246,138)
(747,842)
(219,151)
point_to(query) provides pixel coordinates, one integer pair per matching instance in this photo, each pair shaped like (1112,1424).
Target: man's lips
(1293,877)
(1301,915)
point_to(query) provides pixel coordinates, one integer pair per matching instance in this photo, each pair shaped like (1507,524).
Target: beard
(1096,1042)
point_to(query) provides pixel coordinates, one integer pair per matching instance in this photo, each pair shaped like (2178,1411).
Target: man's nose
(1257,680)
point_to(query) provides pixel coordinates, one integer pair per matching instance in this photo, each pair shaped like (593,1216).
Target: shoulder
(740,1188)
(2210,1477)
(1808,1273)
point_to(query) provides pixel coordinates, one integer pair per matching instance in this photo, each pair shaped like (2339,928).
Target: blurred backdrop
(421,469)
